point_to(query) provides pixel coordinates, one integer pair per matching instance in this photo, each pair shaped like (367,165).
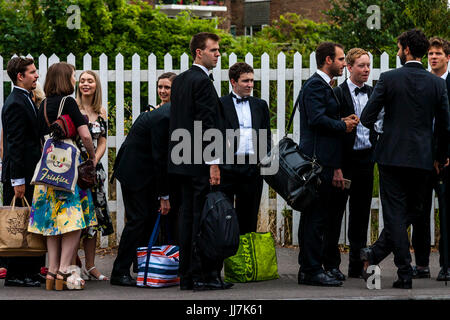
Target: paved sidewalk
(285,288)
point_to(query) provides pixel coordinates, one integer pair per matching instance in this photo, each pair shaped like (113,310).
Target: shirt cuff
(163,197)
(215,161)
(17,182)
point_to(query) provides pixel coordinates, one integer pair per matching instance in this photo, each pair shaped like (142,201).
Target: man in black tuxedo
(196,108)
(141,168)
(412,98)
(438,57)
(357,166)
(321,132)
(21,153)
(245,115)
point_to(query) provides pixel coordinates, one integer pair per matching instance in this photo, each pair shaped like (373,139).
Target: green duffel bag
(255,260)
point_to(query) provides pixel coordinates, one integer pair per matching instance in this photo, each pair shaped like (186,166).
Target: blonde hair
(354,54)
(97,101)
(39,94)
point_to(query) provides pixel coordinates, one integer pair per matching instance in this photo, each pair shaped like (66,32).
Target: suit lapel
(348,97)
(231,111)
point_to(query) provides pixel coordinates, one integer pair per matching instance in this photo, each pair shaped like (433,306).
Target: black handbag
(297,179)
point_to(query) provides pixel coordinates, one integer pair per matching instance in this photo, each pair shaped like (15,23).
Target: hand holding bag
(15,240)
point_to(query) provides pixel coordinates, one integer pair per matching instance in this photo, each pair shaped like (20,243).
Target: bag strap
(150,245)
(24,201)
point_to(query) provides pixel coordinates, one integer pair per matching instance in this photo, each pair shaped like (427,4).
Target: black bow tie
(211,76)
(363,89)
(238,100)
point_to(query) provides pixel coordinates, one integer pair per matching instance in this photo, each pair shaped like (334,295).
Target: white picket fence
(264,74)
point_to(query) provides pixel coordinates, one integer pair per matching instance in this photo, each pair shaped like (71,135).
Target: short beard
(402,58)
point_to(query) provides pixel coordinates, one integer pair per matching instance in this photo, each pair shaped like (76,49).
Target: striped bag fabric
(158,265)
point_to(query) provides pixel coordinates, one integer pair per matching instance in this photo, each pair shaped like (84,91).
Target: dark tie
(211,77)
(363,89)
(238,100)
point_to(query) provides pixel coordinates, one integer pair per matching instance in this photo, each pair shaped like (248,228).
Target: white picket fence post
(119,76)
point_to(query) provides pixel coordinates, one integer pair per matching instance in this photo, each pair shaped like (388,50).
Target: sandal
(90,276)
(50,283)
(71,279)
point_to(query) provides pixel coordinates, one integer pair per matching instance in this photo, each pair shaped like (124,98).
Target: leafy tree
(350,22)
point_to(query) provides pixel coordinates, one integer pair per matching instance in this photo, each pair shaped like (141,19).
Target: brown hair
(239,68)
(58,80)
(97,101)
(198,41)
(18,65)
(354,54)
(324,50)
(440,43)
(167,75)
(416,41)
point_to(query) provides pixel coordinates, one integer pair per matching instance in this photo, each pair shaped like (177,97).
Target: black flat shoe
(443,277)
(420,273)
(123,280)
(336,273)
(402,284)
(14,282)
(215,284)
(321,279)
(32,283)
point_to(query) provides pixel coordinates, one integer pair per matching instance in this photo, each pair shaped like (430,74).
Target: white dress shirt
(362,140)
(324,76)
(245,126)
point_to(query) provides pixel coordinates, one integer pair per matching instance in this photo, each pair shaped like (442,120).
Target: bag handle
(61,106)
(13,203)
(150,245)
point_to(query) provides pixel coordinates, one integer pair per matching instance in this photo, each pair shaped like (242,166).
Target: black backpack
(218,236)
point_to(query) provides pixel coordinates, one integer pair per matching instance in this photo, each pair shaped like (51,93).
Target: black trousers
(245,192)
(313,223)
(402,193)
(20,267)
(358,169)
(141,209)
(421,233)
(193,265)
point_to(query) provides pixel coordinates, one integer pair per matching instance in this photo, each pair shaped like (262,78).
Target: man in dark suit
(245,115)
(412,98)
(196,108)
(21,153)
(438,57)
(141,168)
(321,134)
(357,166)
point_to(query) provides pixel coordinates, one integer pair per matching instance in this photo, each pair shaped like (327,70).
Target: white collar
(202,67)
(351,85)
(324,76)
(23,89)
(444,76)
(410,61)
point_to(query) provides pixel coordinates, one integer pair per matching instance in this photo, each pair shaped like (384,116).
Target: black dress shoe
(14,282)
(420,273)
(402,284)
(31,282)
(186,284)
(443,276)
(366,254)
(336,273)
(215,284)
(122,280)
(321,279)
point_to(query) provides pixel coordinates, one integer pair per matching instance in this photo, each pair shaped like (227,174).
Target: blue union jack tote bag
(157,265)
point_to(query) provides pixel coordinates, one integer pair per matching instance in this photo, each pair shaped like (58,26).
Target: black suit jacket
(142,158)
(347,108)
(21,141)
(412,97)
(260,120)
(193,98)
(320,121)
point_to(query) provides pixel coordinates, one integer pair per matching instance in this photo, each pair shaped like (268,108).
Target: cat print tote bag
(59,161)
